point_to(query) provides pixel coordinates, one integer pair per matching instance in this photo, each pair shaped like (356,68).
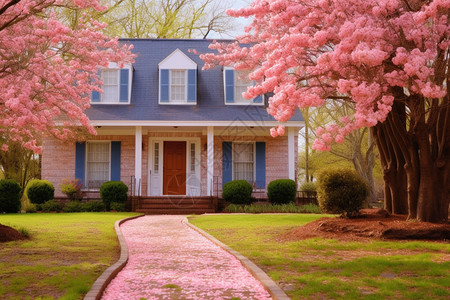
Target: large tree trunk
(414,144)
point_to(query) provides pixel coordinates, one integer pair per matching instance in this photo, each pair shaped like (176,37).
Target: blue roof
(144,95)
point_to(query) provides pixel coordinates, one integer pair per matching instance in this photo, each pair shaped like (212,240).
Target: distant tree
(389,57)
(166,18)
(48,70)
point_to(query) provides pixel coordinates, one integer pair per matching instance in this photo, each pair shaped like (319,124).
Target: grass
(324,268)
(272,208)
(63,257)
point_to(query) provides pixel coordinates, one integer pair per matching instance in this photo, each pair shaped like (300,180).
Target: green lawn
(330,269)
(63,257)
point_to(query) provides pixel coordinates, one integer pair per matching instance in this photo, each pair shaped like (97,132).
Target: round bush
(281,191)
(308,187)
(40,191)
(113,191)
(341,191)
(237,192)
(9,196)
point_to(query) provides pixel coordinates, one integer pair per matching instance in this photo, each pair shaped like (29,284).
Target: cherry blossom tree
(389,57)
(48,70)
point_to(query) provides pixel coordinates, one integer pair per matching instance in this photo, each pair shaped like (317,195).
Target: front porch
(174,205)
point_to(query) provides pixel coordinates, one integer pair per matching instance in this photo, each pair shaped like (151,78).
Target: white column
(138,160)
(291,152)
(210,160)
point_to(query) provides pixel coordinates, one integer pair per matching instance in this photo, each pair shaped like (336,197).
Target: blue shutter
(192,86)
(95,96)
(229,86)
(115,161)
(164,85)
(258,99)
(260,165)
(124,85)
(80,161)
(227,163)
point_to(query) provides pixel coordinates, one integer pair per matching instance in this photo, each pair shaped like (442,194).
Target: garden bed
(373,223)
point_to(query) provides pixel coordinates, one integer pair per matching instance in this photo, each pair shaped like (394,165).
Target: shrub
(29,208)
(308,187)
(40,191)
(113,191)
(51,205)
(281,191)
(94,206)
(9,196)
(272,208)
(72,189)
(237,192)
(73,206)
(341,191)
(117,206)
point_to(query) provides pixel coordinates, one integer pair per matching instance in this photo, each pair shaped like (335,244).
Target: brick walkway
(169,260)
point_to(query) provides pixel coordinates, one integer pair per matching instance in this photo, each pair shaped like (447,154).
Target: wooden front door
(174,173)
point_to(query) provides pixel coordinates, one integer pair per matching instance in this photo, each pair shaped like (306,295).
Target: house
(167,127)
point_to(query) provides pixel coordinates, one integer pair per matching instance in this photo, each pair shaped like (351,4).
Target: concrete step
(175,211)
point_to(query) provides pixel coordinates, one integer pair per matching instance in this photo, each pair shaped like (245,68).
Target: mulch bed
(371,224)
(8,234)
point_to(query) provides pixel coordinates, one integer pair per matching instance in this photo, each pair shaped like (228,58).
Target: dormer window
(177,79)
(236,82)
(116,85)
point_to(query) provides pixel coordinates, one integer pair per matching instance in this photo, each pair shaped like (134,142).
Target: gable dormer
(177,79)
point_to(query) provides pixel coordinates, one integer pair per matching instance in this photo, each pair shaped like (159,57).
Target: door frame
(191,190)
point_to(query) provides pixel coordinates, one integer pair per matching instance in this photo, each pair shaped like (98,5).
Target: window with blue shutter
(227,162)
(164,85)
(260,161)
(115,160)
(80,162)
(229,86)
(116,86)
(236,83)
(124,85)
(192,86)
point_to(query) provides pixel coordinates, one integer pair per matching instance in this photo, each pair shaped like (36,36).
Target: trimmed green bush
(341,191)
(117,206)
(237,192)
(113,191)
(281,191)
(40,191)
(73,206)
(9,196)
(94,206)
(51,205)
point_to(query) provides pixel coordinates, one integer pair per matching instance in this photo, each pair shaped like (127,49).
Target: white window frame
(171,101)
(114,66)
(240,102)
(234,159)
(86,177)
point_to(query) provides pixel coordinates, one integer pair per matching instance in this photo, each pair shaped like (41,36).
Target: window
(110,85)
(178,86)
(243,162)
(116,86)
(156,159)
(178,79)
(97,164)
(192,157)
(236,83)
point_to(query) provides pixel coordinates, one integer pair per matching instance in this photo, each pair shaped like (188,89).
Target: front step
(175,205)
(175,211)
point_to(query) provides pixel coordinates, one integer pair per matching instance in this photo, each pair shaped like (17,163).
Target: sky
(240,22)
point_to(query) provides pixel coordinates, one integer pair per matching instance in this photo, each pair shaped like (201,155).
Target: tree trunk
(415,156)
